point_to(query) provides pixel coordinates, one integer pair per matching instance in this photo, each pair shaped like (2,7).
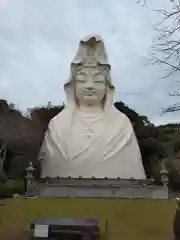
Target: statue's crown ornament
(91,52)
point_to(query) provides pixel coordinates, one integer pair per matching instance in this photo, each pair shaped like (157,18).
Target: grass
(127,219)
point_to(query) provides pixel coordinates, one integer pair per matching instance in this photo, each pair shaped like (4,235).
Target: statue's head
(90,79)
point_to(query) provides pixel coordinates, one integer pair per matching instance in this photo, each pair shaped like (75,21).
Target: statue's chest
(84,136)
(86,129)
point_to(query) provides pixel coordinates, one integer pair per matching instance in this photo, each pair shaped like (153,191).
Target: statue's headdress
(91,53)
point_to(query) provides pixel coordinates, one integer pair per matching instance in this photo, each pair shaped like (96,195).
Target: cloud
(38,40)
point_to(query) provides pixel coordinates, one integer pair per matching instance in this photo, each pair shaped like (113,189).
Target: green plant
(11,187)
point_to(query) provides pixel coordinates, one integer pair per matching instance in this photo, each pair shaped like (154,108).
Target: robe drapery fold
(112,153)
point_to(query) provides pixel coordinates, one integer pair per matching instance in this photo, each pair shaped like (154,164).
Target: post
(29,175)
(130,192)
(106,231)
(3,176)
(176,221)
(164,175)
(2,157)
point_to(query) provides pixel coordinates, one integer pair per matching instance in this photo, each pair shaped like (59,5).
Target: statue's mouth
(89,93)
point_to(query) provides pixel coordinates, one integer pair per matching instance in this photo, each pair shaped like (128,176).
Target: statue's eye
(99,82)
(80,78)
(99,78)
(80,81)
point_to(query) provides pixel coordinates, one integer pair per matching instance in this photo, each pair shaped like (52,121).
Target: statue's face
(90,86)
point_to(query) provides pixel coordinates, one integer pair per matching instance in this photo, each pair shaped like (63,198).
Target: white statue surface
(90,137)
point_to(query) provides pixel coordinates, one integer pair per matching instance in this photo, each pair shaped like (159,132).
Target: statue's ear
(70,92)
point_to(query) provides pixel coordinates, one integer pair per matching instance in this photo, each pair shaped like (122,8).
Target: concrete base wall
(109,192)
(92,188)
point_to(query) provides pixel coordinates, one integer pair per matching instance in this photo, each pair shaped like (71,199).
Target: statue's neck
(90,110)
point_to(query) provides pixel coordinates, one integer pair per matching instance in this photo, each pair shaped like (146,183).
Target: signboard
(41,231)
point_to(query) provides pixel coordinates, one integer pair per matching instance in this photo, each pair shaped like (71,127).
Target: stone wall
(104,192)
(102,188)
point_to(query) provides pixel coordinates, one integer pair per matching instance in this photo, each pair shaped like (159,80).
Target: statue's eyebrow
(81,73)
(98,73)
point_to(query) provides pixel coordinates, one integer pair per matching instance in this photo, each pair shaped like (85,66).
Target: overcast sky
(39,38)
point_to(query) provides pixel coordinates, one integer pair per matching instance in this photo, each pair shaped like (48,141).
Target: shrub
(11,187)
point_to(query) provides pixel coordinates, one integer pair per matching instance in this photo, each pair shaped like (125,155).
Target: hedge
(11,187)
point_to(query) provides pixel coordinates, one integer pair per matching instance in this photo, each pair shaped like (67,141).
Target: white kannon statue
(90,137)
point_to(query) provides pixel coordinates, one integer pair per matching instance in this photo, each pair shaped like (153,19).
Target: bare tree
(165,49)
(143,2)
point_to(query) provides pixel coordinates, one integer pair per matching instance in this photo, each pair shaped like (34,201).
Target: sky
(39,38)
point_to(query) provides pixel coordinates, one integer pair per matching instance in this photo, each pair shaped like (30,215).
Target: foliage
(12,187)
(45,113)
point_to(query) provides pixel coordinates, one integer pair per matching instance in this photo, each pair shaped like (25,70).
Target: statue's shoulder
(60,117)
(121,121)
(120,116)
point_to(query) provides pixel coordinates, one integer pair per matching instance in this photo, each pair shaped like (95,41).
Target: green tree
(44,114)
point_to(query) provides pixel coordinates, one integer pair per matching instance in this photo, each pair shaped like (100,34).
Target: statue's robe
(106,148)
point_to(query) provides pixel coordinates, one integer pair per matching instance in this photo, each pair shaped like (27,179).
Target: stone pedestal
(98,188)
